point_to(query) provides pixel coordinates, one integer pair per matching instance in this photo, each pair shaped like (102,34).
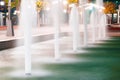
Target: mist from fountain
(99,2)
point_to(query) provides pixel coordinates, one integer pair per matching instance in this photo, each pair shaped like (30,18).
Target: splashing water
(93,25)
(27,18)
(74,24)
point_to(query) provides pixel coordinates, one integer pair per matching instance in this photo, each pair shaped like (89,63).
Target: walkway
(42,33)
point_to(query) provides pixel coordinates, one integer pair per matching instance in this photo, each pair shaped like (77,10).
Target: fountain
(85,7)
(93,23)
(100,25)
(103,22)
(56,13)
(27,17)
(100,7)
(85,27)
(74,24)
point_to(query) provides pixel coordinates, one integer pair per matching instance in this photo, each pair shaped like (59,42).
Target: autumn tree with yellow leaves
(14,3)
(41,4)
(110,8)
(72,1)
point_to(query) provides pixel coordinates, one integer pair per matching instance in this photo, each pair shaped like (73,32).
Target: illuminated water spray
(27,17)
(93,23)
(104,26)
(57,15)
(74,24)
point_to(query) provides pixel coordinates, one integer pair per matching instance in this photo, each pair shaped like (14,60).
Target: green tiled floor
(99,63)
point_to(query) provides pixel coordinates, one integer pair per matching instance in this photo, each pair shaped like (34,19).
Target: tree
(40,5)
(11,8)
(110,8)
(14,3)
(72,1)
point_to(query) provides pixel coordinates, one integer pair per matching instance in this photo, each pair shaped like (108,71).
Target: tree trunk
(112,19)
(10,29)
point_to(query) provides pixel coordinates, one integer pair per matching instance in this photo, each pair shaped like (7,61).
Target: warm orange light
(72,1)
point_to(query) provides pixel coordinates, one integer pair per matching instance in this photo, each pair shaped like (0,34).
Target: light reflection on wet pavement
(98,63)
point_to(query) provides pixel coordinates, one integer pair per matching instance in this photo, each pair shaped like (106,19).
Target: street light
(2,3)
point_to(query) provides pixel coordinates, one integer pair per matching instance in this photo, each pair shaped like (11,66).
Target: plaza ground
(98,61)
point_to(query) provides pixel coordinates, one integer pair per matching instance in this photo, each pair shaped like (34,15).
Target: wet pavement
(95,62)
(98,61)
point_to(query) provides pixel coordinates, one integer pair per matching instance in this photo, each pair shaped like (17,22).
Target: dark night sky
(117,2)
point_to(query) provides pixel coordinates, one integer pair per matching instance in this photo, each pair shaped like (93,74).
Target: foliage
(14,3)
(40,4)
(109,8)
